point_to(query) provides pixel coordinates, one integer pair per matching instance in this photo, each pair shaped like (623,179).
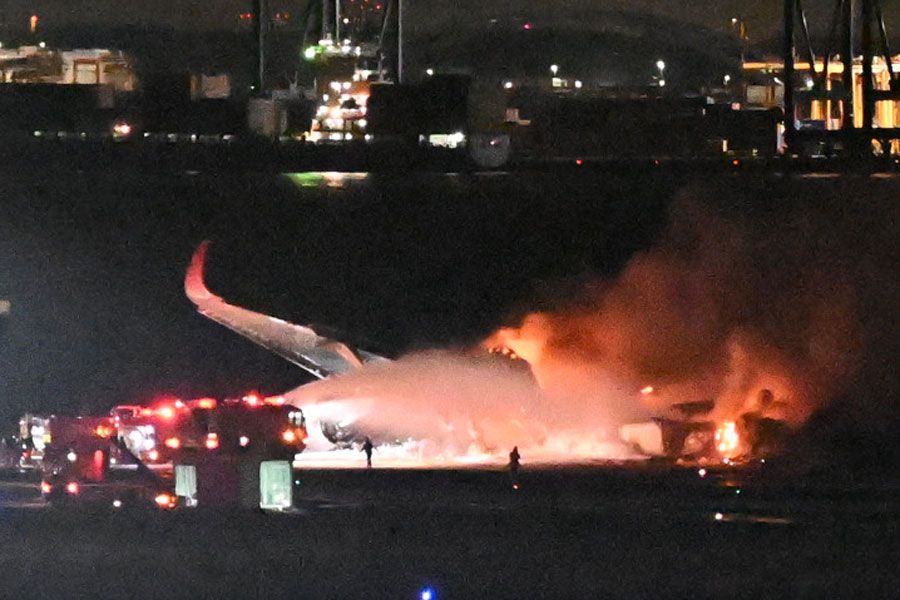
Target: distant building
(33,64)
(764,88)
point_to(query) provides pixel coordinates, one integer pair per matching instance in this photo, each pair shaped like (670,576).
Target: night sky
(762,17)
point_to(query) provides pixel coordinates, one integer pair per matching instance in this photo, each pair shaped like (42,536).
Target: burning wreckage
(686,430)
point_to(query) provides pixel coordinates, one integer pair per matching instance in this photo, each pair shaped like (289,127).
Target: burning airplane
(717,342)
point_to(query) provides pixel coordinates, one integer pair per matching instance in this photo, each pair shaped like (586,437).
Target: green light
(305,180)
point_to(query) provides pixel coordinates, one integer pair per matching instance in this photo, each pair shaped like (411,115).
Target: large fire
(739,323)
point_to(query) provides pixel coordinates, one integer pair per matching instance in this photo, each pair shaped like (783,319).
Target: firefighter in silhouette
(514,467)
(367,448)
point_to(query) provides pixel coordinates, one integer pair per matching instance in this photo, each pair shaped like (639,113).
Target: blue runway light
(427,594)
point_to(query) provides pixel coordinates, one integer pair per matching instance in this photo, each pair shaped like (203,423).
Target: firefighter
(367,448)
(514,467)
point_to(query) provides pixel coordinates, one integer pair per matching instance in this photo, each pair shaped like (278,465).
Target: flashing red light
(173,442)
(166,412)
(165,500)
(289,436)
(72,487)
(46,488)
(153,454)
(208,403)
(212,441)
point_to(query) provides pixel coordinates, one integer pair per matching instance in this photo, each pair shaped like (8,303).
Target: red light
(212,441)
(72,487)
(579,162)
(735,162)
(46,488)
(207,403)
(289,436)
(166,412)
(173,442)
(275,400)
(377,7)
(252,399)
(153,454)
(164,501)
(526,26)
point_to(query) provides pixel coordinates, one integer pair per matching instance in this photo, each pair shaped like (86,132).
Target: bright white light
(309,53)
(117,503)
(429,72)
(661,65)
(719,516)
(778,81)
(346,85)
(508,85)
(809,83)
(726,79)
(71,456)
(346,20)
(335,85)
(578,84)
(662,83)
(43,44)
(554,69)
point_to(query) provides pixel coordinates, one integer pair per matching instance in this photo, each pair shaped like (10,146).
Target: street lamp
(554,69)
(661,67)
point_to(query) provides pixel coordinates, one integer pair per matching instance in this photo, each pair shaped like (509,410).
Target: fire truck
(85,463)
(166,430)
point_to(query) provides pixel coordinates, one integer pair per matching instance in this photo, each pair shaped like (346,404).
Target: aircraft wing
(320,356)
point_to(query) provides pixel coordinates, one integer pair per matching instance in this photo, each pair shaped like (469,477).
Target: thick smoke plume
(740,313)
(747,306)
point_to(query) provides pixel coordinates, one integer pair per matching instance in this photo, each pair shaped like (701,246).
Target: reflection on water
(323,179)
